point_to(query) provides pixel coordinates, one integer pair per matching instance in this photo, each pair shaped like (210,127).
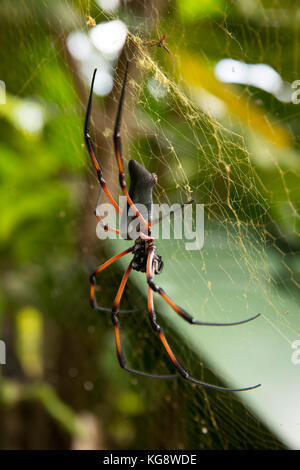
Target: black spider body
(136,223)
(140,255)
(140,192)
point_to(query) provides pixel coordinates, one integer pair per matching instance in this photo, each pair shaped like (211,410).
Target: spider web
(233,149)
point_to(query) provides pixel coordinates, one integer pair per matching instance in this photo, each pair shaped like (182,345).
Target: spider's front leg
(104,226)
(95,161)
(118,152)
(157,328)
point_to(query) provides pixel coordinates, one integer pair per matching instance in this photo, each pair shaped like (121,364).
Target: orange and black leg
(186,316)
(156,327)
(104,226)
(118,152)
(95,161)
(93,300)
(115,321)
(161,43)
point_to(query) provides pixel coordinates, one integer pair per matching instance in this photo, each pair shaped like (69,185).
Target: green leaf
(193,10)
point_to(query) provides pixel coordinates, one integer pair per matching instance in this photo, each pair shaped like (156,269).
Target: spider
(161,43)
(145,257)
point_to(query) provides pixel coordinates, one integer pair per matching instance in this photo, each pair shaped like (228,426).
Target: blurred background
(215,115)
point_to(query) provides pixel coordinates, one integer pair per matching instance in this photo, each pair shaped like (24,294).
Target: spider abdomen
(140,192)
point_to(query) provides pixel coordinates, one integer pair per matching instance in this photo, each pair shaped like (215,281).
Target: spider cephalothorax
(140,255)
(136,223)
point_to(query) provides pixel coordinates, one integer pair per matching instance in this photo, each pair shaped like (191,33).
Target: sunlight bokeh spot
(29,116)
(109,38)
(109,5)
(258,75)
(79,45)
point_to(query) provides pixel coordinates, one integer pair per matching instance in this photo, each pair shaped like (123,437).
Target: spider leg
(115,321)
(156,327)
(186,316)
(105,226)
(93,300)
(170,54)
(91,150)
(161,43)
(118,152)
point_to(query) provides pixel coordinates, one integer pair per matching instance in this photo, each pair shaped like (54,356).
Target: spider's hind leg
(186,316)
(93,300)
(156,327)
(115,321)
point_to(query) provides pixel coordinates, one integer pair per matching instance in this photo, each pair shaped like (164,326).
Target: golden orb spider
(145,258)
